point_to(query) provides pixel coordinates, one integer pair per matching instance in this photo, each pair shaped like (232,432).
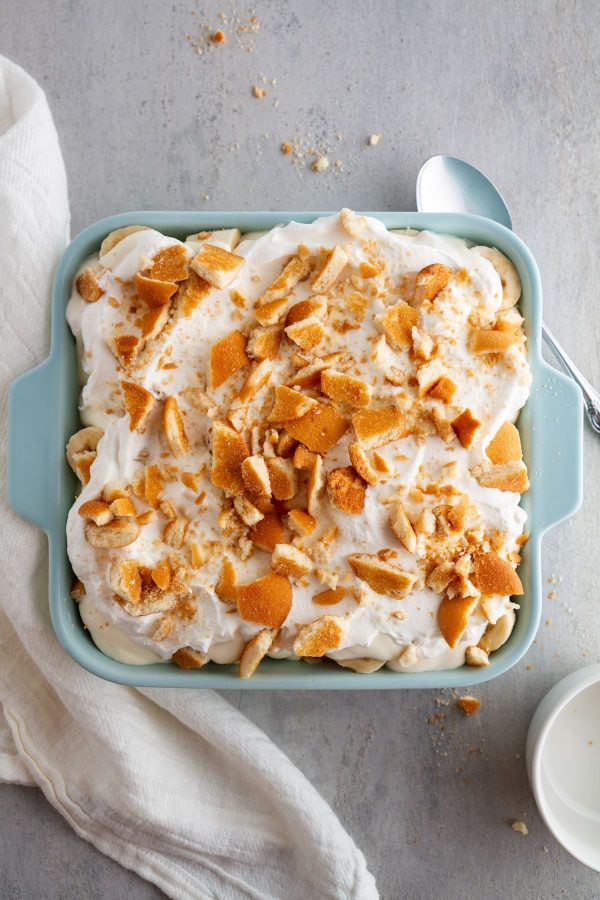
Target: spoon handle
(591,397)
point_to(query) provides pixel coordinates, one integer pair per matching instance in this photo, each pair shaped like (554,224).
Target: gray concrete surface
(147,122)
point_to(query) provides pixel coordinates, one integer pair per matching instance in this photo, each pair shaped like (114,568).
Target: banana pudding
(298,444)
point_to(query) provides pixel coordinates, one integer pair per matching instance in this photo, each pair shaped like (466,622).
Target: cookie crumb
(287,148)
(320,164)
(519,826)
(374,139)
(218,37)
(469,705)
(258,92)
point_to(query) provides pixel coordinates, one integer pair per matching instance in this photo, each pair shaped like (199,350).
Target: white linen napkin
(175,784)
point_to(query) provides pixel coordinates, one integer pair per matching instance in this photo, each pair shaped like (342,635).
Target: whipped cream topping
(373,625)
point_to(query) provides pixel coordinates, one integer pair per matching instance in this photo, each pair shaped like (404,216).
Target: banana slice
(509,277)
(111,240)
(81,451)
(498,633)
(364,665)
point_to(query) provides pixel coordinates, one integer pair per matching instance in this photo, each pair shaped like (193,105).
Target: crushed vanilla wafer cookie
(298,444)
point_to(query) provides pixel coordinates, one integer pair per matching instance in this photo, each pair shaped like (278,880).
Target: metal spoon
(449,184)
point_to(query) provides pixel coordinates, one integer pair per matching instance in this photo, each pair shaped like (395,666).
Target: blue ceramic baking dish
(43,415)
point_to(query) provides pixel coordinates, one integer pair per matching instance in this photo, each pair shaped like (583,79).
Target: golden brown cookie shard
(469,705)
(247,511)
(429,375)
(264,342)
(346,490)
(505,446)
(430,281)
(306,333)
(268,532)
(256,380)
(227,587)
(381,576)
(295,270)
(270,313)
(161,574)
(360,461)
(217,266)
(227,357)
(175,531)
(125,580)
(376,427)
(283,478)
(82,465)
(188,658)
(289,404)
(465,427)
(396,323)
(491,341)
(445,390)
(494,575)
(509,476)
(256,476)
(290,561)
(443,426)
(453,617)
(315,485)
(229,450)
(191,294)
(116,533)
(303,457)
(153,322)
(152,291)
(312,306)
(88,286)
(318,429)
(345,388)
(301,522)
(255,651)
(170,264)
(173,427)
(266,601)
(97,510)
(402,528)
(320,637)
(329,597)
(138,404)
(333,265)
(153,485)
(440,577)
(422,344)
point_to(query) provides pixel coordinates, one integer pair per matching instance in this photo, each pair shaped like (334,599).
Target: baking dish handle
(32,479)
(558,440)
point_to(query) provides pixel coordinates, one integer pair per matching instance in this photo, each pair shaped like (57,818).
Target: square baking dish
(43,415)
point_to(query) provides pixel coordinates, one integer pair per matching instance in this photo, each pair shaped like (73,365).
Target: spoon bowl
(449,184)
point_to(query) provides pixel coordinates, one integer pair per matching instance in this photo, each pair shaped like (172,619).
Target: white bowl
(563,761)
